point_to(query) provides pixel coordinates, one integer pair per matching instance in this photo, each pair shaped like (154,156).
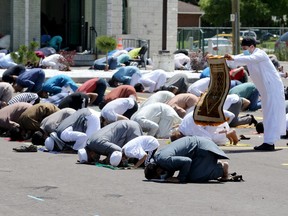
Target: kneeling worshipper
(196,159)
(72,132)
(108,141)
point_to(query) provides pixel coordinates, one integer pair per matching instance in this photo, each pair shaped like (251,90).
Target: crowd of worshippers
(59,114)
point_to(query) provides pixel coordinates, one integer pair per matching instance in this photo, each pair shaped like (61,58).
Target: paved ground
(54,184)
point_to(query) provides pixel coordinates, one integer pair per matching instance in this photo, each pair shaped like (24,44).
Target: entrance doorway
(66,19)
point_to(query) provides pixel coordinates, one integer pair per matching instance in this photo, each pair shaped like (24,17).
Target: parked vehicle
(248,33)
(282,42)
(215,45)
(269,36)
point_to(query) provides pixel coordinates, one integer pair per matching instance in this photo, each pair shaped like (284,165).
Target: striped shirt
(24,97)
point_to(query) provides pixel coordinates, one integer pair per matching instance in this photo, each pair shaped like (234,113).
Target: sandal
(31,148)
(242,137)
(233,177)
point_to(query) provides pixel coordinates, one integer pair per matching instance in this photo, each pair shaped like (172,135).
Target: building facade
(79,22)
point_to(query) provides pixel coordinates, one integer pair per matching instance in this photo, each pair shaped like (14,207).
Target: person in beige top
(182,103)
(9,115)
(30,120)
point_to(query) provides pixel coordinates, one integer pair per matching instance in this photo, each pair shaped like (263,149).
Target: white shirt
(157,119)
(160,96)
(180,59)
(116,107)
(230,99)
(153,80)
(137,147)
(189,128)
(53,61)
(199,87)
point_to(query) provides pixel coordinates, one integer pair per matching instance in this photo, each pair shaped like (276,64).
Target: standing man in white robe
(270,86)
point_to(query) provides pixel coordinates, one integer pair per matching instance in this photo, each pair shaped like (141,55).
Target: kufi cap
(82,155)
(115,158)
(49,144)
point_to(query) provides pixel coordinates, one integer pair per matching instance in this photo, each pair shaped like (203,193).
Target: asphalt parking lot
(42,183)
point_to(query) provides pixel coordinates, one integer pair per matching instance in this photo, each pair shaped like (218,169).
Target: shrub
(26,55)
(106,44)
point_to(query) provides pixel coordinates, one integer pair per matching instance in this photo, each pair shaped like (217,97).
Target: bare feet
(232,136)
(225,170)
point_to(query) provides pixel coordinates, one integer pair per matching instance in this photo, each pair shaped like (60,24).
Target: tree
(217,12)
(252,12)
(106,44)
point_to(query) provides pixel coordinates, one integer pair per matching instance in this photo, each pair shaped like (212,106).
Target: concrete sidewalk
(81,74)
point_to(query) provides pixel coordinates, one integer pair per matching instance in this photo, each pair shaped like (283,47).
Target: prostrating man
(128,75)
(122,91)
(32,79)
(196,159)
(95,85)
(30,120)
(55,84)
(152,81)
(140,148)
(119,109)
(12,73)
(27,97)
(160,96)
(218,134)
(77,100)
(179,82)
(9,115)
(72,132)
(50,124)
(183,103)
(108,142)
(157,119)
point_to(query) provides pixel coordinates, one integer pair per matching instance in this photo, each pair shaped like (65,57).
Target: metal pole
(236,25)
(164,25)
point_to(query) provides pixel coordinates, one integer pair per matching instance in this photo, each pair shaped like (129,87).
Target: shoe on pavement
(265,147)
(253,121)
(31,148)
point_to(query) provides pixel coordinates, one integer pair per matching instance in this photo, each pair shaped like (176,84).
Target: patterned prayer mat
(209,109)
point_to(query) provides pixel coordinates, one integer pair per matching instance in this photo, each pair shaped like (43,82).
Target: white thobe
(157,119)
(153,80)
(189,128)
(270,86)
(117,107)
(180,59)
(160,96)
(199,87)
(53,61)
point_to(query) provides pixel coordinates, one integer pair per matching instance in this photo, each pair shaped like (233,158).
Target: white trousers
(80,138)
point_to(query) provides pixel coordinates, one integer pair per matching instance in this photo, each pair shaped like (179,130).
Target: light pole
(235,19)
